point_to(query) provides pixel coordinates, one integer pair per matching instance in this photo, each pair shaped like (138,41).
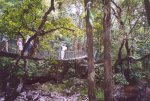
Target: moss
(100,94)
(83,91)
(55,87)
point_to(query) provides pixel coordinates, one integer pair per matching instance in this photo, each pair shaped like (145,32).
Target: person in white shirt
(64,48)
(28,37)
(19,45)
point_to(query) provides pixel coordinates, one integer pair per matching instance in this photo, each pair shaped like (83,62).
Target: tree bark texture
(147,9)
(26,67)
(91,71)
(107,52)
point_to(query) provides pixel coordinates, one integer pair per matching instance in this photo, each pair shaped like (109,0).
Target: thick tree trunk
(11,86)
(107,52)
(147,8)
(91,72)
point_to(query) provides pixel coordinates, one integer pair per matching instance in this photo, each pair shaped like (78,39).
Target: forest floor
(74,90)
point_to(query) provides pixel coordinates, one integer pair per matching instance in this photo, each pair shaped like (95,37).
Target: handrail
(69,54)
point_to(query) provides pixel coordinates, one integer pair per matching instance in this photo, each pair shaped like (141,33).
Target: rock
(67,92)
(54,94)
(23,94)
(43,99)
(131,93)
(78,82)
(1,98)
(35,96)
(38,95)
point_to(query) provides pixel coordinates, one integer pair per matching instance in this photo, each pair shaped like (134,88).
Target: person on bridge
(5,44)
(63,49)
(19,45)
(29,46)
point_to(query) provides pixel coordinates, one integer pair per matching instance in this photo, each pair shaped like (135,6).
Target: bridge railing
(57,54)
(45,54)
(72,54)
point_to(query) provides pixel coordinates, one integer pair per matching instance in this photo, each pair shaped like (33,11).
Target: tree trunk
(147,8)
(25,67)
(91,72)
(107,52)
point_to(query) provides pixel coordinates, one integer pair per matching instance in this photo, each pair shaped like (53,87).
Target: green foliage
(19,72)
(83,91)
(99,70)
(24,14)
(58,88)
(98,26)
(91,16)
(5,62)
(19,15)
(100,94)
(135,76)
(60,36)
(120,79)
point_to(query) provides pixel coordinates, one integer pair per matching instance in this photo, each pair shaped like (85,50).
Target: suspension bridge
(56,55)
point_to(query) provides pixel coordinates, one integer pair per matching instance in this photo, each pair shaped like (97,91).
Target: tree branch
(119,12)
(52,30)
(44,18)
(133,59)
(25,24)
(38,31)
(49,31)
(13,55)
(134,24)
(118,61)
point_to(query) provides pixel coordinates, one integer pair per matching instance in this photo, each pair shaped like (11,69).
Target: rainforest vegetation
(106,55)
